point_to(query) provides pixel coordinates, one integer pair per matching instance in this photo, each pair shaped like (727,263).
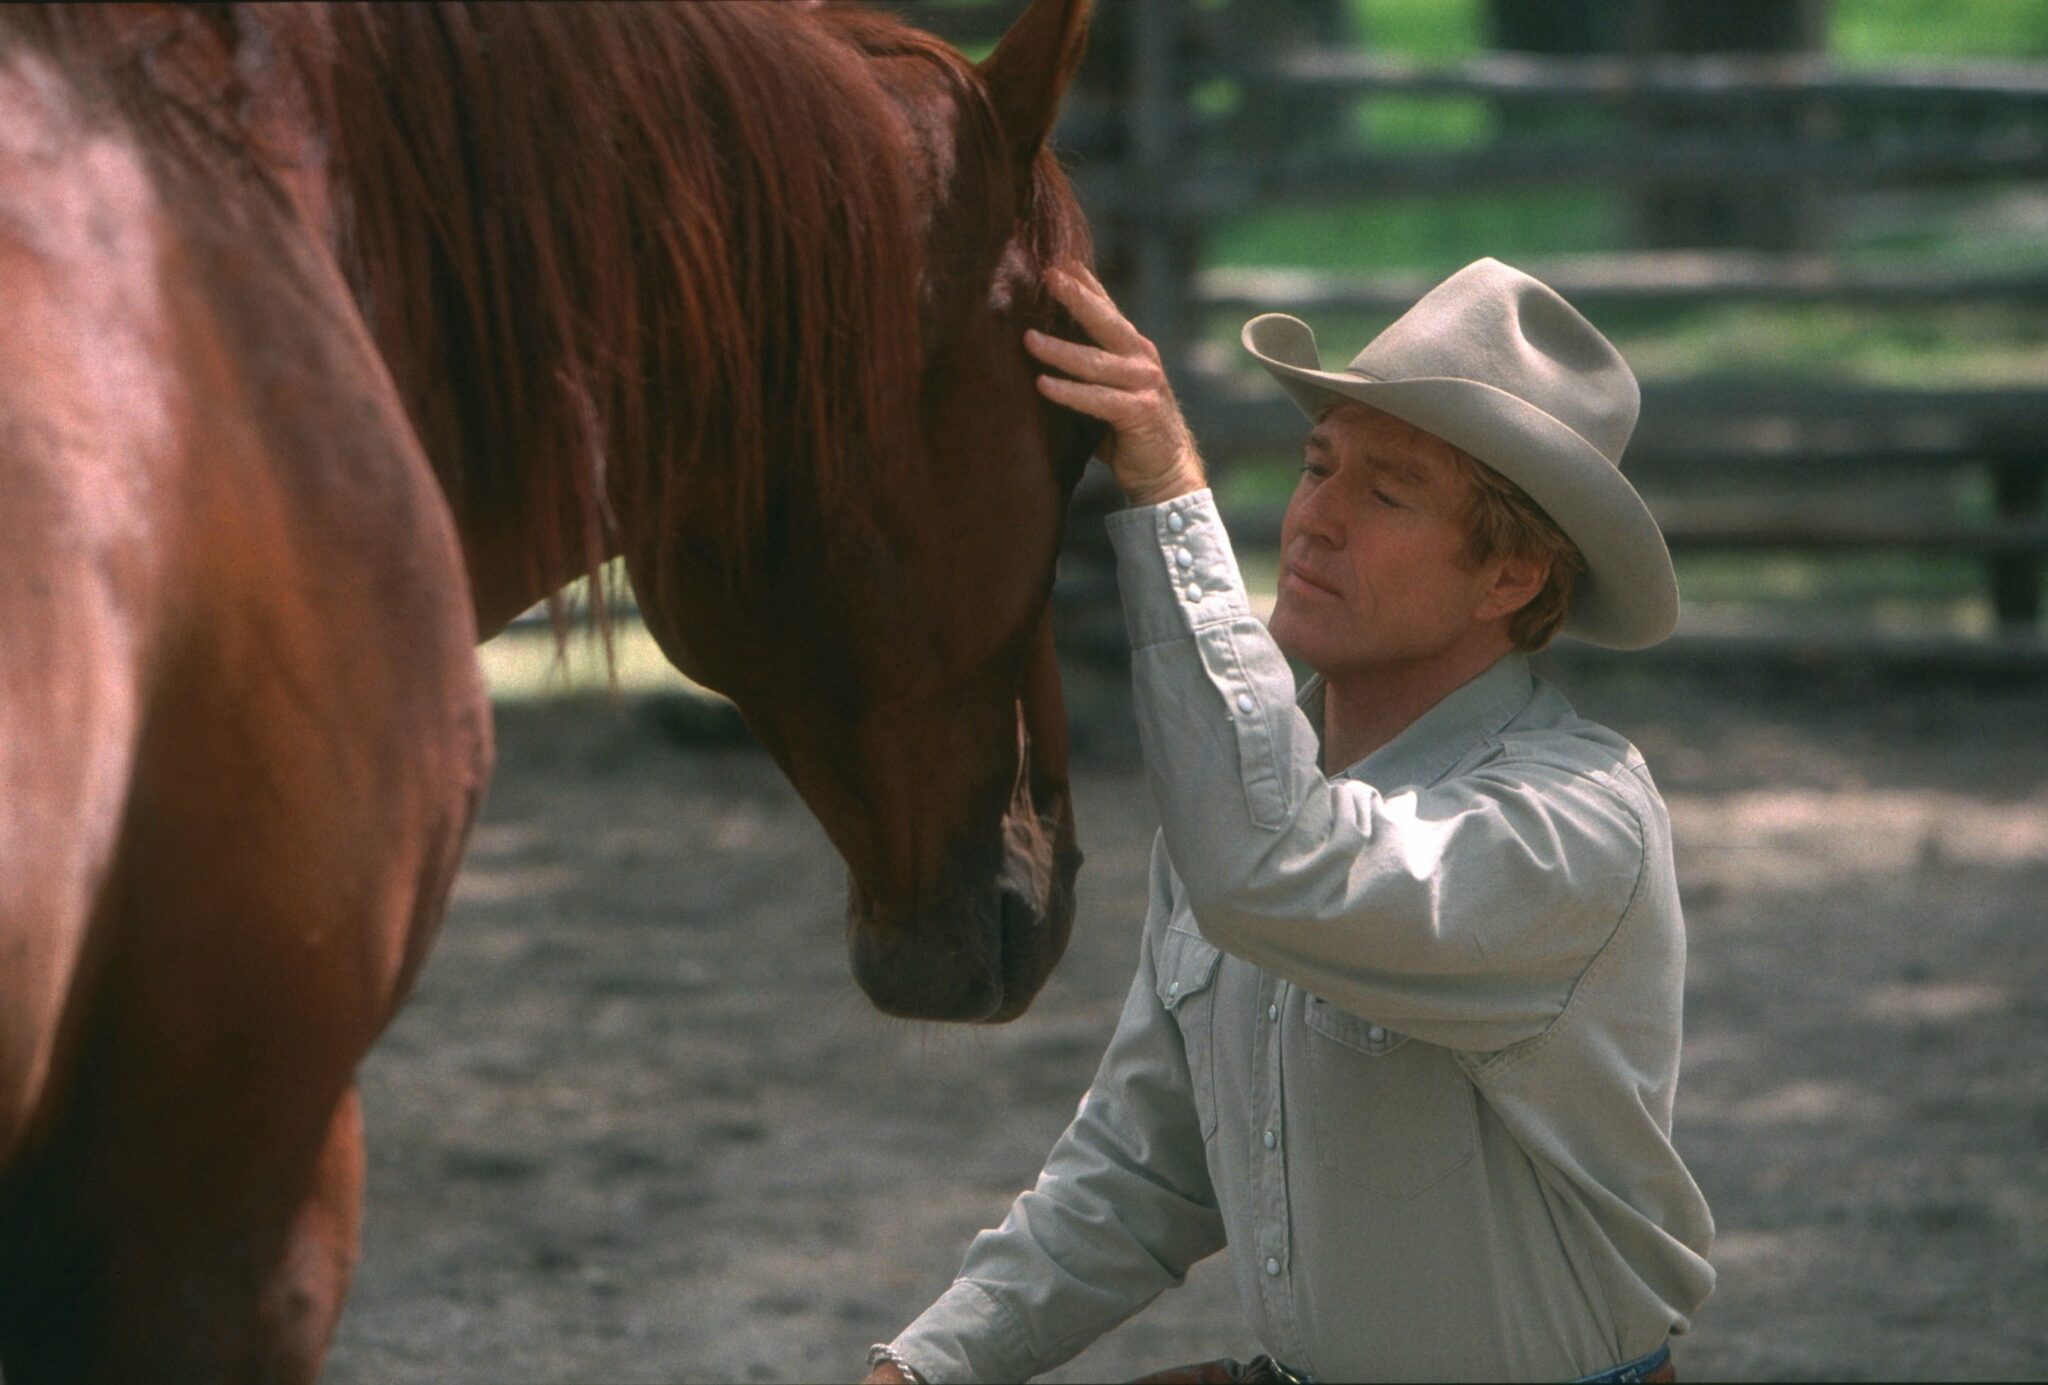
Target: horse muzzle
(981,956)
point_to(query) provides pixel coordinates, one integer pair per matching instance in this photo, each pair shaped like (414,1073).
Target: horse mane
(652,252)
(645,251)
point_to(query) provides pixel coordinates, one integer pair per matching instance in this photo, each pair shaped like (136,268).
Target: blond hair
(1502,521)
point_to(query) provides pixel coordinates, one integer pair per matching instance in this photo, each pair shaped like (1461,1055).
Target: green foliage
(1415,233)
(1882,32)
(1860,32)
(1426,29)
(1423,122)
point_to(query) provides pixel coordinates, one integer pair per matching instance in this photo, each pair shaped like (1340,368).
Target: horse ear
(1028,73)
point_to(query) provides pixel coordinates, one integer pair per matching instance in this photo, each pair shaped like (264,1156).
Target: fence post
(2019,491)
(1153,228)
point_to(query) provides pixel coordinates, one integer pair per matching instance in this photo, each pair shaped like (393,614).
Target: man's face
(1373,572)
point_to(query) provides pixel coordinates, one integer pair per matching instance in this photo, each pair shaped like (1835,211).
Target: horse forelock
(654,254)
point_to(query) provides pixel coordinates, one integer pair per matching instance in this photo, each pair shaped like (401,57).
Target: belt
(1264,1370)
(1654,1367)
(1644,1370)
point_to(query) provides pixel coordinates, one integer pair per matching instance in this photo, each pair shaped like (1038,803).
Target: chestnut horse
(335,336)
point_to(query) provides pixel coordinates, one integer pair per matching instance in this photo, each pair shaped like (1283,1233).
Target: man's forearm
(1121,1210)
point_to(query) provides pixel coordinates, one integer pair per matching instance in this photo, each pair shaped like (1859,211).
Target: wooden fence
(1714,454)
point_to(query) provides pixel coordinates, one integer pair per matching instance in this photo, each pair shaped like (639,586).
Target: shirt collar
(1444,734)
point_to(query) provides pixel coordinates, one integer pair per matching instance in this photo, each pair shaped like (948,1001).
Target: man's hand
(887,1373)
(1120,381)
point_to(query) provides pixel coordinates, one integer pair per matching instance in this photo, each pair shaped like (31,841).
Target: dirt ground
(639,1125)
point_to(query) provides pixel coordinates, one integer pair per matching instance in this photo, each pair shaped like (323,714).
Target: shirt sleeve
(1121,1211)
(1461,913)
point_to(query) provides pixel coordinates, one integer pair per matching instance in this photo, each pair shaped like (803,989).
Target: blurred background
(638,1123)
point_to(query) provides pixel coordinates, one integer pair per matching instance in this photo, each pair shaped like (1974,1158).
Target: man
(1405,1030)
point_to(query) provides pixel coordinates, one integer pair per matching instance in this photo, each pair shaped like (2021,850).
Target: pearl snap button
(1272,1265)
(1375,1033)
(1271,1139)
(1194,592)
(1175,522)
(1184,558)
(1272,1012)
(1173,988)
(1244,702)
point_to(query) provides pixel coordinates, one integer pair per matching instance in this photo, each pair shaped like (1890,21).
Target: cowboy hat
(1498,365)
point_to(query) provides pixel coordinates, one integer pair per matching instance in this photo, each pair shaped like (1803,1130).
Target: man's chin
(1303,643)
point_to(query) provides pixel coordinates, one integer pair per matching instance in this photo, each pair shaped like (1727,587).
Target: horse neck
(639,273)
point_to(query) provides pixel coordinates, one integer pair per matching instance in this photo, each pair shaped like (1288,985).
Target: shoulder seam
(1493,1065)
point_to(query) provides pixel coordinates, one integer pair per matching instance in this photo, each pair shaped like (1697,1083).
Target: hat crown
(1495,325)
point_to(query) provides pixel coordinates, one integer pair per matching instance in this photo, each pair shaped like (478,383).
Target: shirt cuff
(1176,569)
(966,1335)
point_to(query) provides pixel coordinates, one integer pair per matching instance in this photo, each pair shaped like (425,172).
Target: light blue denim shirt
(1404,1040)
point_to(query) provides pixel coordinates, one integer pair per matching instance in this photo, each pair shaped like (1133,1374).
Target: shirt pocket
(1186,985)
(1390,1114)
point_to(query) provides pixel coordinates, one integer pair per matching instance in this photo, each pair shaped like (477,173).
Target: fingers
(1120,380)
(1092,363)
(1121,409)
(1083,273)
(1095,311)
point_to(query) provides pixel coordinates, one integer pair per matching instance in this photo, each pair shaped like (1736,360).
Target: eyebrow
(1407,474)
(1318,441)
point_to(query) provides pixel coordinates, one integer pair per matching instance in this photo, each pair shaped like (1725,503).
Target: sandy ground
(638,1124)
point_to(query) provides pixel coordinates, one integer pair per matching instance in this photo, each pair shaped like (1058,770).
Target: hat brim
(1628,596)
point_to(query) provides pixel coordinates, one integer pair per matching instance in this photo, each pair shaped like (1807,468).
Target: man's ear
(1516,582)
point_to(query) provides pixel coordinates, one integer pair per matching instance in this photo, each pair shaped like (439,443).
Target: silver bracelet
(882,1351)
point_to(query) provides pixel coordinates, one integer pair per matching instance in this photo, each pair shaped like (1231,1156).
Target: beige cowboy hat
(1497,364)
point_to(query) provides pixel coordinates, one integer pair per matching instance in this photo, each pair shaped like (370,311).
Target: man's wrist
(1182,481)
(882,1355)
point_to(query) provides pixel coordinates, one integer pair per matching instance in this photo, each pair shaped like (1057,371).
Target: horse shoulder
(85,432)
(236,664)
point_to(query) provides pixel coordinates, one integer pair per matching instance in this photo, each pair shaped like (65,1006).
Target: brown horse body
(766,351)
(241,737)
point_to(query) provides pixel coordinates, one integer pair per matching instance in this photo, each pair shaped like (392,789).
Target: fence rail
(1645,278)
(1758,528)
(1712,82)
(1235,413)
(1532,165)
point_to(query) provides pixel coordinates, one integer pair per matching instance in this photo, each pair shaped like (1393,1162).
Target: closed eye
(1387,500)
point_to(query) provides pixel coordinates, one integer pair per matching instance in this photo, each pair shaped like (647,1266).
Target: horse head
(738,292)
(899,665)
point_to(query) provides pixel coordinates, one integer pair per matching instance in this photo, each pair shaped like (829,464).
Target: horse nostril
(949,967)
(1016,922)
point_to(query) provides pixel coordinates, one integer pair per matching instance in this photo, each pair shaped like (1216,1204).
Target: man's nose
(1318,513)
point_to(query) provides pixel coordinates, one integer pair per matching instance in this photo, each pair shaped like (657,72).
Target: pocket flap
(1352,1031)
(1187,966)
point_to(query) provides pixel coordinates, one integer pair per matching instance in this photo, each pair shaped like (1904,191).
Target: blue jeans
(1639,1369)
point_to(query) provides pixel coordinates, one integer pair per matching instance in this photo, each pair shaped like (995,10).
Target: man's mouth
(1301,579)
